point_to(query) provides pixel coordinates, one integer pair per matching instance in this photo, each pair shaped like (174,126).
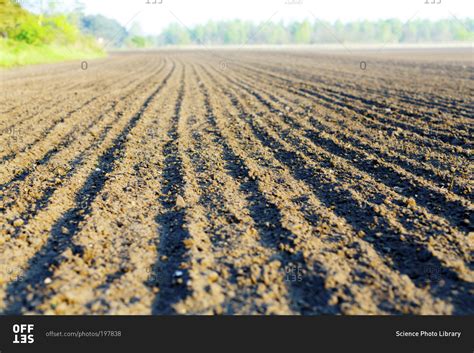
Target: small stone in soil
(18,222)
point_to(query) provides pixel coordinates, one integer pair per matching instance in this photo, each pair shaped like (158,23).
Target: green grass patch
(27,38)
(14,53)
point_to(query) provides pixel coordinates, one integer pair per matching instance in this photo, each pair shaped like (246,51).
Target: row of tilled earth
(238,182)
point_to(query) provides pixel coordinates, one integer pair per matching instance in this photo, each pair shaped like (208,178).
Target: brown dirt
(238,182)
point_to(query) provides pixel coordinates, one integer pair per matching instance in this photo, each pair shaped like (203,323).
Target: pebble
(180,202)
(18,222)
(333,300)
(188,243)
(47,280)
(213,277)
(411,202)
(178,273)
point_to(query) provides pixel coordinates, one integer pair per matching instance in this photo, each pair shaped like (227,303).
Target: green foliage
(176,34)
(138,42)
(384,31)
(15,53)
(66,32)
(31,30)
(302,33)
(113,34)
(28,38)
(17,24)
(110,31)
(238,32)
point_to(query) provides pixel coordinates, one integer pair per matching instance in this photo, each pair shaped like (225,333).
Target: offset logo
(23,333)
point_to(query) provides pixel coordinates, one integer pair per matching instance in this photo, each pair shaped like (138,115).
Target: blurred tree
(303,33)
(102,27)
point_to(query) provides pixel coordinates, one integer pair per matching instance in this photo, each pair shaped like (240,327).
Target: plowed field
(238,182)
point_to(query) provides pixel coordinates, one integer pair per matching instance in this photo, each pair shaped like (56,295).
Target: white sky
(153,18)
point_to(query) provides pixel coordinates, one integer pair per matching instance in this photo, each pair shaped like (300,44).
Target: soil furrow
(171,222)
(67,226)
(456,212)
(323,228)
(359,217)
(233,182)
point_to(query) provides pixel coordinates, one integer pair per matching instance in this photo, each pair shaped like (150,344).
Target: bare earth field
(238,182)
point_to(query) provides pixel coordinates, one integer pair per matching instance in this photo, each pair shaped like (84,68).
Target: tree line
(318,32)
(238,32)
